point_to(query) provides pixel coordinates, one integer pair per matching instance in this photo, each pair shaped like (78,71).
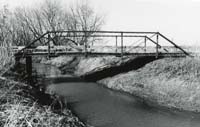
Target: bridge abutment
(29,69)
(17,59)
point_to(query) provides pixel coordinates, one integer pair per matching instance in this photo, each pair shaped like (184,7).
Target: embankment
(168,82)
(24,105)
(114,67)
(19,107)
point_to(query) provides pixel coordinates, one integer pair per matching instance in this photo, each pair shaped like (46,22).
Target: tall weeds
(19,108)
(6,57)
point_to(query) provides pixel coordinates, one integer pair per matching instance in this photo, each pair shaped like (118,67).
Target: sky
(177,19)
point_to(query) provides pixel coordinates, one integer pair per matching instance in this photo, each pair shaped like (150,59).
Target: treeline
(22,25)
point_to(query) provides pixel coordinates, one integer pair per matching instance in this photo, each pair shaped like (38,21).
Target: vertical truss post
(74,36)
(145,44)
(49,48)
(157,41)
(122,44)
(116,44)
(85,44)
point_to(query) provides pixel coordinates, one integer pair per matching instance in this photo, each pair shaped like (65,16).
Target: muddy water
(101,107)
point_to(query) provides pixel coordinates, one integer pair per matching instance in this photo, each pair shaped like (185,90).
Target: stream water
(102,107)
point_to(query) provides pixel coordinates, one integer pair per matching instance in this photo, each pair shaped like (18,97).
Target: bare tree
(5,36)
(21,28)
(25,25)
(83,18)
(52,13)
(4,25)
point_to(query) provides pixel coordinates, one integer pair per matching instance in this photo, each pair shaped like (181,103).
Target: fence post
(122,44)
(157,41)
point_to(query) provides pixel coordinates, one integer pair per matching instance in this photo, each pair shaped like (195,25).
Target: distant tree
(5,35)
(83,17)
(21,27)
(25,25)
(4,25)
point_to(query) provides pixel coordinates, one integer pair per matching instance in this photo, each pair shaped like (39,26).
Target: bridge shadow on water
(62,79)
(132,64)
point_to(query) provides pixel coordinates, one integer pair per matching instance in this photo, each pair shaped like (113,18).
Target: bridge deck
(102,54)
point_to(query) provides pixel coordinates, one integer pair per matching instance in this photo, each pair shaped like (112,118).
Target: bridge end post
(86,45)
(122,44)
(145,44)
(116,44)
(85,48)
(157,42)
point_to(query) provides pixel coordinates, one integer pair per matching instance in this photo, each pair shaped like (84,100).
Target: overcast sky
(177,19)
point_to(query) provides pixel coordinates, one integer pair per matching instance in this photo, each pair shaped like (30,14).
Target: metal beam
(107,53)
(145,44)
(104,36)
(116,44)
(115,34)
(176,46)
(157,40)
(122,44)
(125,32)
(159,46)
(49,48)
(153,41)
(33,42)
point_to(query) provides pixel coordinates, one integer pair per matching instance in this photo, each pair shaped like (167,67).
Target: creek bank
(169,82)
(96,68)
(25,105)
(65,64)
(114,67)
(172,83)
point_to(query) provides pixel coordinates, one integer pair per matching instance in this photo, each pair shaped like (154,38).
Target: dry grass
(169,82)
(94,63)
(19,114)
(19,109)
(59,61)
(6,59)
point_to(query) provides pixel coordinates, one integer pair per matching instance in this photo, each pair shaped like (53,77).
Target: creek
(101,107)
